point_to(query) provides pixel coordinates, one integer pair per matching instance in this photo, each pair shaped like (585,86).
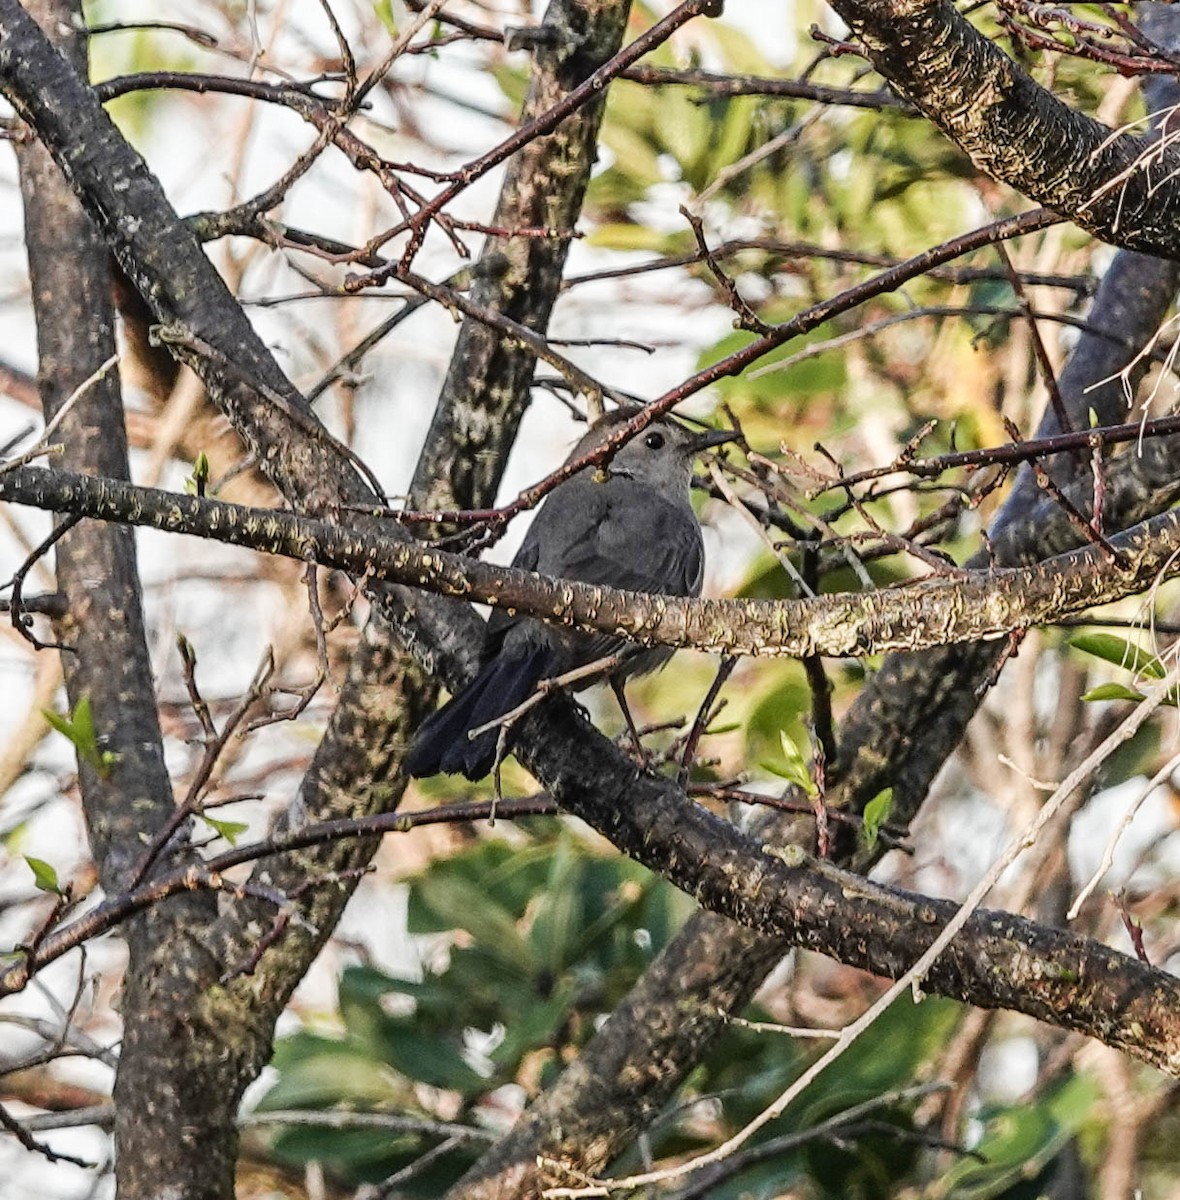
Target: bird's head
(661,455)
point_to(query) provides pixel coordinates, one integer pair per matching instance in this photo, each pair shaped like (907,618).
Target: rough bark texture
(770,889)
(108,664)
(935,611)
(200,1042)
(1016,131)
(1006,961)
(96,565)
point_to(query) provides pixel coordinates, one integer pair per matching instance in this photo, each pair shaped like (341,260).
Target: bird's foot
(636,751)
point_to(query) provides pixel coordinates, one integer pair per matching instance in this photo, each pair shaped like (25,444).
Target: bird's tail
(442,744)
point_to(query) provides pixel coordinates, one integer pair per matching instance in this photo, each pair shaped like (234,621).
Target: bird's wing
(660,553)
(621,534)
(632,538)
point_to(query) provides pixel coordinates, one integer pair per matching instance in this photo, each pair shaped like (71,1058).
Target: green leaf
(783,705)
(230,830)
(1113,691)
(78,727)
(436,1060)
(466,905)
(876,814)
(1130,656)
(44,876)
(316,1072)
(1019,1142)
(197,482)
(1121,652)
(682,127)
(544,939)
(889,1055)
(384,12)
(793,768)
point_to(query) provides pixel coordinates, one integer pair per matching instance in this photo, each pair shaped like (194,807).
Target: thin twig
(703,718)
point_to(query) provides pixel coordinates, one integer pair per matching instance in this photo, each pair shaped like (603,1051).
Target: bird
(628,524)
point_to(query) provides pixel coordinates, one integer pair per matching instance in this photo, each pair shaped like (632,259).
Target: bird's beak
(712,437)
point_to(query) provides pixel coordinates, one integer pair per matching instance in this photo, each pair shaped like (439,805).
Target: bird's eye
(654,441)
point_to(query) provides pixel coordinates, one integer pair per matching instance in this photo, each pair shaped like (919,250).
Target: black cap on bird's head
(661,454)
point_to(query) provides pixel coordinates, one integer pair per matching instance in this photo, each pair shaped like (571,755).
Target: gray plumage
(634,529)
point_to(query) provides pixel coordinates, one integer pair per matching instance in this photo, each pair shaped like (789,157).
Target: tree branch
(109,664)
(1114,185)
(998,960)
(935,611)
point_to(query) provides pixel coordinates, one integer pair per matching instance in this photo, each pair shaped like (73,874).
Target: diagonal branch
(1080,983)
(1114,185)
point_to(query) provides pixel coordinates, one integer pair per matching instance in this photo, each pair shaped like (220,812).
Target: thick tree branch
(1115,185)
(648,819)
(165,262)
(998,960)
(108,661)
(938,610)
(587,92)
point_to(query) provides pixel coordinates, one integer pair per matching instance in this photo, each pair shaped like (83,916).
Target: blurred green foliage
(541,942)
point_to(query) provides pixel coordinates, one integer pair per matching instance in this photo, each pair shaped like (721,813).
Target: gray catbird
(630,526)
